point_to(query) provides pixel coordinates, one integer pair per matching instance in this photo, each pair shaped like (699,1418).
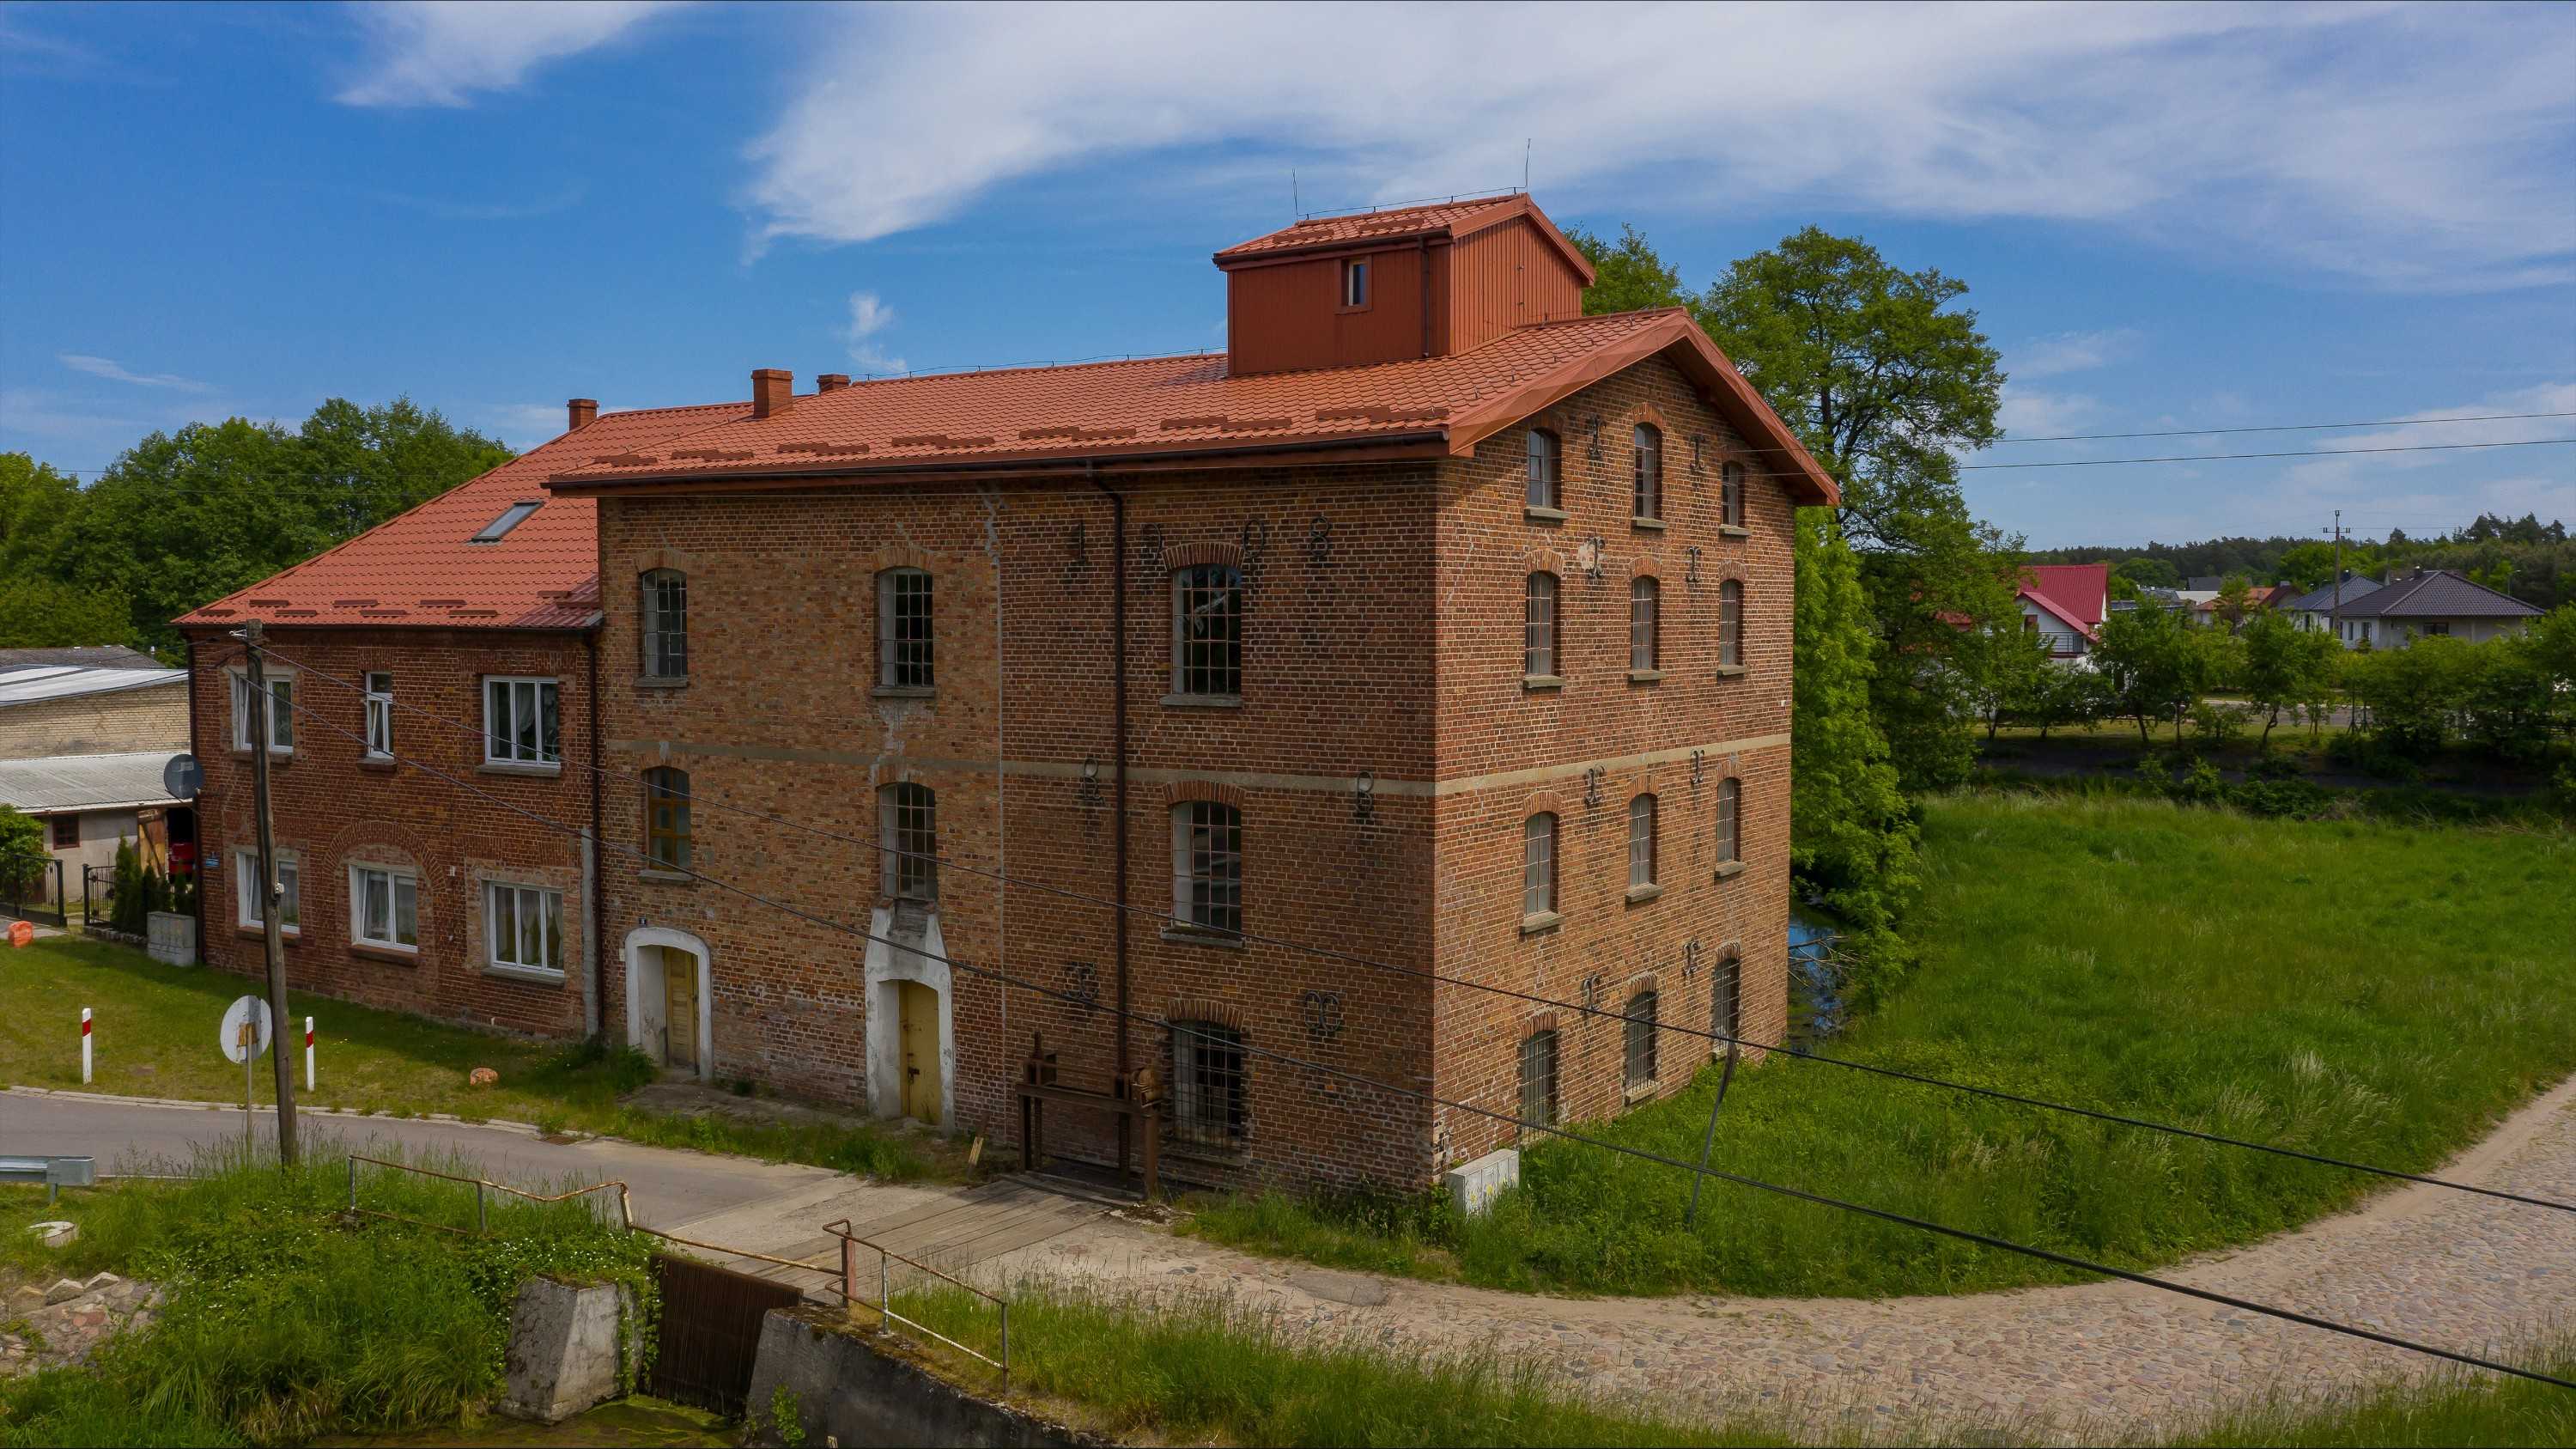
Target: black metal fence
(39,899)
(98,893)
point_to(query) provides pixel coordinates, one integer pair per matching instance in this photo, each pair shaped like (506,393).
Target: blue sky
(2169,217)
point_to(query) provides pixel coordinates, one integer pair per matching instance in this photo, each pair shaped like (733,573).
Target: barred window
(1650,471)
(1207,866)
(1538,865)
(380,715)
(1538,634)
(1640,1037)
(908,823)
(666,624)
(1538,1078)
(1641,841)
(1208,1103)
(1645,647)
(1726,1005)
(903,629)
(666,818)
(1731,494)
(1730,803)
(1545,476)
(1207,631)
(1730,622)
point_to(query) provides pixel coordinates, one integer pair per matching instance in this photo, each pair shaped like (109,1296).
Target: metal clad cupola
(1389,286)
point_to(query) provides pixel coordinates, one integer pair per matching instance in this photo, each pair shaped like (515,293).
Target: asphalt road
(668,1188)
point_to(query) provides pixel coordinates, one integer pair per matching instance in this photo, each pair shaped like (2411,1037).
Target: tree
(2005,669)
(2235,600)
(22,851)
(2285,667)
(2066,697)
(1885,381)
(2147,573)
(2307,566)
(2155,668)
(1853,840)
(1627,277)
(38,613)
(2411,693)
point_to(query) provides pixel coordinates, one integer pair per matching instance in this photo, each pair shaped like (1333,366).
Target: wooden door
(679,1008)
(919,1007)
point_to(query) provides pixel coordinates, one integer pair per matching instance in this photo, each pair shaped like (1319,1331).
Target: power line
(1528,998)
(1921,1224)
(2279,428)
(2291,453)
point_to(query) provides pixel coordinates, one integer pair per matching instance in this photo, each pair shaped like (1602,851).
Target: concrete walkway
(2445,1267)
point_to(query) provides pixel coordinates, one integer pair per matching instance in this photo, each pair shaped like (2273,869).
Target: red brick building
(1433,623)
(403,890)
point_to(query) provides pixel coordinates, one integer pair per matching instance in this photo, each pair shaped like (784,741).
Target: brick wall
(331,808)
(151,718)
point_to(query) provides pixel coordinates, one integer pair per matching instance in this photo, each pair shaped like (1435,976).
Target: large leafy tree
(184,518)
(2285,667)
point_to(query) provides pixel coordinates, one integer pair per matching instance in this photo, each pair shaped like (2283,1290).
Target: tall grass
(2369,990)
(286,1319)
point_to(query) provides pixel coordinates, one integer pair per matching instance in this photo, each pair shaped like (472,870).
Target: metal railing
(484,1187)
(851,1243)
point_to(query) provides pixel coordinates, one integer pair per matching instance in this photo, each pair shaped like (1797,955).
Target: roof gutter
(1048,464)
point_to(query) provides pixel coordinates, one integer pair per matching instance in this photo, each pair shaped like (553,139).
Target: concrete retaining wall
(854,1392)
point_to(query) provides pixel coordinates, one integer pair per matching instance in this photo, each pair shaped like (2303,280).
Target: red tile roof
(1056,416)
(2077,593)
(1452,220)
(419,570)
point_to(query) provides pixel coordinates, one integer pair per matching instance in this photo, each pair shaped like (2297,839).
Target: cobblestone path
(2443,1267)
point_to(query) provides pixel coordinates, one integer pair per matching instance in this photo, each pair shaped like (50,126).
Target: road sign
(246,1017)
(182,777)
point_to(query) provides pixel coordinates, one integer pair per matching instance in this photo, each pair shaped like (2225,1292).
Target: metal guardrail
(484,1187)
(884,1306)
(56,1173)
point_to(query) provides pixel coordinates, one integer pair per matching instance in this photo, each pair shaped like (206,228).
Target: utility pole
(273,896)
(2338,594)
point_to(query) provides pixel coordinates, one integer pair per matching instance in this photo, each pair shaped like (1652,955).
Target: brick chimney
(583,411)
(773,391)
(831,381)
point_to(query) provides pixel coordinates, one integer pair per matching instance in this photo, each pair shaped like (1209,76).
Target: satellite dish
(249,1012)
(182,777)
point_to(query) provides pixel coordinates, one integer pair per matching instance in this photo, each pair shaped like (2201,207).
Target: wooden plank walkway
(952,1234)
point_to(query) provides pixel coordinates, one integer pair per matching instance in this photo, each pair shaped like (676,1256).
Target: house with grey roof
(84,737)
(2432,603)
(2318,608)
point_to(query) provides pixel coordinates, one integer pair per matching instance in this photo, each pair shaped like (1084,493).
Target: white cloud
(437,52)
(2027,412)
(2400,147)
(106,367)
(2070,352)
(869,316)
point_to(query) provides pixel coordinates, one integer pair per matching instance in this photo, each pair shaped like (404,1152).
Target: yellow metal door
(679,1008)
(919,1006)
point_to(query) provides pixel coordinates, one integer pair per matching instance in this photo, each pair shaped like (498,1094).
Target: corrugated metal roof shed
(31,686)
(86,782)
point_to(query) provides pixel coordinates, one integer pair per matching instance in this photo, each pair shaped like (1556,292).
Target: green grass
(283,1320)
(154,1036)
(2371,990)
(1202,1369)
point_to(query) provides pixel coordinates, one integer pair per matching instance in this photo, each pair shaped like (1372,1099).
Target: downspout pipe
(1118,766)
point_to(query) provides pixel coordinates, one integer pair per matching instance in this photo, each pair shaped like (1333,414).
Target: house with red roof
(1189,731)
(2064,604)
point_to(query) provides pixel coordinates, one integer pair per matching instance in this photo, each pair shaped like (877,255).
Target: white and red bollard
(308,1054)
(84,1046)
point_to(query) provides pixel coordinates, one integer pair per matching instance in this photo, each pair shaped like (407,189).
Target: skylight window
(511,517)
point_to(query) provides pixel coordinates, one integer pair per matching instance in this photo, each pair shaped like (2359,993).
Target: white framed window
(384,907)
(1355,283)
(1538,866)
(1207,866)
(523,928)
(380,715)
(1538,627)
(522,721)
(1730,624)
(1645,651)
(1207,631)
(249,893)
(1641,842)
(1649,497)
(281,710)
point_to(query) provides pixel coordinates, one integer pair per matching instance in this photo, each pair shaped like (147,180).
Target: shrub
(2201,785)
(2274,767)
(22,851)
(2215,726)
(2293,799)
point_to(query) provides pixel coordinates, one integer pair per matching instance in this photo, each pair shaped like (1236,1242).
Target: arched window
(908,828)
(1538,1077)
(1730,825)
(1730,624)
(1641,842)
(1730,483)
(1726,1004)
(666,818)
(1545,480)
(666,624)
(1639,1039)
(1207,631)
(1208,1099)
(1650,471)
(1538,632)
(1538,866)
(1207,866)
(903,629)
(1644,646)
